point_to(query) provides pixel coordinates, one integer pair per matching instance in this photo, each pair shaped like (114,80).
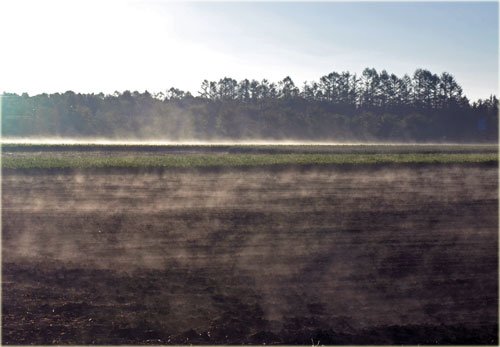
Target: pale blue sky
(93,46)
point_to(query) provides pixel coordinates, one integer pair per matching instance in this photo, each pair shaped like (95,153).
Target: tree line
(375,106)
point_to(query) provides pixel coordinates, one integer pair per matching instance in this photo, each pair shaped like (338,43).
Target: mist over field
(249,173)
(351,211)
(263,255)
(271,144)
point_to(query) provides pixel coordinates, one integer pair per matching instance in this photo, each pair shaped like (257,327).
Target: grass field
(113,156)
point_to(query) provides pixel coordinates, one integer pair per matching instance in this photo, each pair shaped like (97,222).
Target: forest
(340,107)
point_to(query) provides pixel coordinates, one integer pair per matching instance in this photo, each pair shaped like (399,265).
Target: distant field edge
(172,161)
(147,146)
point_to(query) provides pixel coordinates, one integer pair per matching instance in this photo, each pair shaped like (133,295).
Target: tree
(369,94)
(175,94)
(287,89)
(329,86)
(449,92)
(425,88)
(374,106)
(205,89)
(244,90)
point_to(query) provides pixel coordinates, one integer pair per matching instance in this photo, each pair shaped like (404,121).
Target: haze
(106,142)
(103,46)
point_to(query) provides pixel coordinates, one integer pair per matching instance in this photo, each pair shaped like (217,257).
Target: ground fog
(263,255)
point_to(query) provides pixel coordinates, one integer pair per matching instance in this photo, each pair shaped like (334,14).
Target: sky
(92,46)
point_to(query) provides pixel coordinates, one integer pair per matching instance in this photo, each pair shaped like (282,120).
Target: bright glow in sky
(106,45)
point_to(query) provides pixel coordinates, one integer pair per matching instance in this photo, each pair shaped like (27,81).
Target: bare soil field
(393,254)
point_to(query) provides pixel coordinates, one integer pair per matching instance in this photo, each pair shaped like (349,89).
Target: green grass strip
(238,160)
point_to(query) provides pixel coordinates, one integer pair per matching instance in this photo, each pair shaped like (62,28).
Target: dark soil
(395,255)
